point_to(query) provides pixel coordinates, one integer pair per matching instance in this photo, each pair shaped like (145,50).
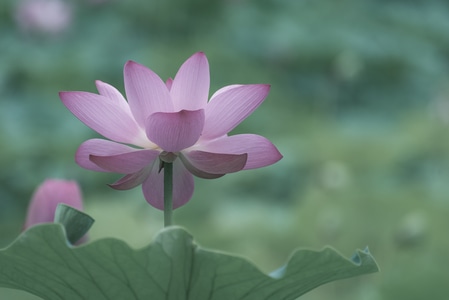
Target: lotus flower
(170,122)
(47,197)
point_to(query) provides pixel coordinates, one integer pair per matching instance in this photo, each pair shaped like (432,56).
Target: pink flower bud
(47,197)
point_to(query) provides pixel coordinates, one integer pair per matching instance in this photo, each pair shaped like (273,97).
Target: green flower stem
(168,194)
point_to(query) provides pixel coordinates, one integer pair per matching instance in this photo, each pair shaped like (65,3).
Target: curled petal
(126,163)
(190,88)
(104,116)
(212,165)
(261,152)
(183,185)
(146,92)
(98,147)
(230,106)
(174,132)
(130,181)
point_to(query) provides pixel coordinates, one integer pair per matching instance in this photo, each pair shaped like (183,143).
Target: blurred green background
(359,107)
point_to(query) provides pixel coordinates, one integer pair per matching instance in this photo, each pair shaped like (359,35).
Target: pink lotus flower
(47,197)
(169,122)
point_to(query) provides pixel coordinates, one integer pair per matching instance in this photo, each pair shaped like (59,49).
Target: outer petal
(126,163)
(146,92)
(153,186)
(174,132)
(261,152)
(190,88)
(224,89)
(130,181)
(98,147)
(212,165)
(230,107)
(104,116)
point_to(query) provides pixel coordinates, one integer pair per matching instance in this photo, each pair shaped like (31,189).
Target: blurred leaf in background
(359,107)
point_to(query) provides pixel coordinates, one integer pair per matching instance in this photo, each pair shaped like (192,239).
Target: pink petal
(230,107)
(153,186)
(104,116)
(190,88)
(146,92)
(224,89)
(169,83)
(212,165)
(130,181)
(113,94)
(126,163)
(261,152)
(98,147)
(175,131)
